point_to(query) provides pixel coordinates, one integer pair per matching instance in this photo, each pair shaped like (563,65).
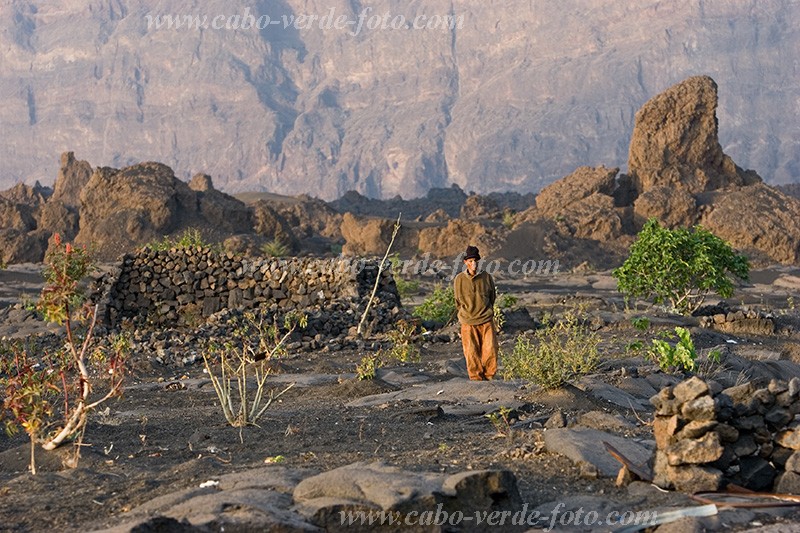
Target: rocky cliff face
(515,96)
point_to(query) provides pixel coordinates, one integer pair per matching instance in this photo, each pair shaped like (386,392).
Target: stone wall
(187,286)
(740,322)
(707,437)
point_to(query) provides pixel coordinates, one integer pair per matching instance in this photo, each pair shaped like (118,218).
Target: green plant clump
(504,301)
(439,307)
(404,287)
(404,348)
(190,238)
(368,366)
(275,248)
(680,266)
(508,219)
(555,354)
(681,355)
(501,420)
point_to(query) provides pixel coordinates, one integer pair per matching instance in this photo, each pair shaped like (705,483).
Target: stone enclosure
(186,286)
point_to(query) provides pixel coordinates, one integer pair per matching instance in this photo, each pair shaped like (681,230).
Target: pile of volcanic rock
(707,438)
(187,286)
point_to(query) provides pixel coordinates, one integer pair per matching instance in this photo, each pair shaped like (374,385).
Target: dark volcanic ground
(167,433)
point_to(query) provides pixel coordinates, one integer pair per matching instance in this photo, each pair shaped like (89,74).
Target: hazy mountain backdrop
(515,95)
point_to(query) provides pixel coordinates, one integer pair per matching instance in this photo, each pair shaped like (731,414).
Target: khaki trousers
(480,350)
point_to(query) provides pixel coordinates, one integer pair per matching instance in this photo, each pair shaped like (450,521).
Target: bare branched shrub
(254,337)
(49,394)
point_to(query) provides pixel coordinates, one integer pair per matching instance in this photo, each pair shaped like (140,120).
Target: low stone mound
(707,437)
(740,322)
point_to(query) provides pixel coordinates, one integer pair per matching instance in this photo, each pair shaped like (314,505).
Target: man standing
(475,294)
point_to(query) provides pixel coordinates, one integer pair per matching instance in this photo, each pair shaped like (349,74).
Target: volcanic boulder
(760,218)
(675,142)
(582,183)
(123,209)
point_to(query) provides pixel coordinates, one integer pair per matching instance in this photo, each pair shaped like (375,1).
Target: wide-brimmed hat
(472,253)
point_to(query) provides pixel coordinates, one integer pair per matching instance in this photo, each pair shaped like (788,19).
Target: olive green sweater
(475,297)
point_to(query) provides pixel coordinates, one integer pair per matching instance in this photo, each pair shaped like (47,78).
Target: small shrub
(50,395)
(641,323)
(237,366)
(634,347)
(368,366)
(404,287)
(508,219)
(680,266)
(711,367)
(404,348)
(499,318)
(275,248)
(681,354)
(252,338)
(504,301)
(501,420)
(190,238)
(439,307)
(555,354)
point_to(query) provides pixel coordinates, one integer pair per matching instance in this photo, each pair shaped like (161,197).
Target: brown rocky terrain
(677,173)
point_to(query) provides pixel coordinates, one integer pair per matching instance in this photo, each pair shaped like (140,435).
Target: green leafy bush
(680,266)
(555,354)
(642,323)
(506,301)
(681,354)
(439,307)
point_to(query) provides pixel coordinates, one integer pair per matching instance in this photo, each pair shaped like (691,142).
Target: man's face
(472,264)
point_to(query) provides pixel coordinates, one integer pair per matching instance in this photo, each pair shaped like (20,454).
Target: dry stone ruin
(186,286)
